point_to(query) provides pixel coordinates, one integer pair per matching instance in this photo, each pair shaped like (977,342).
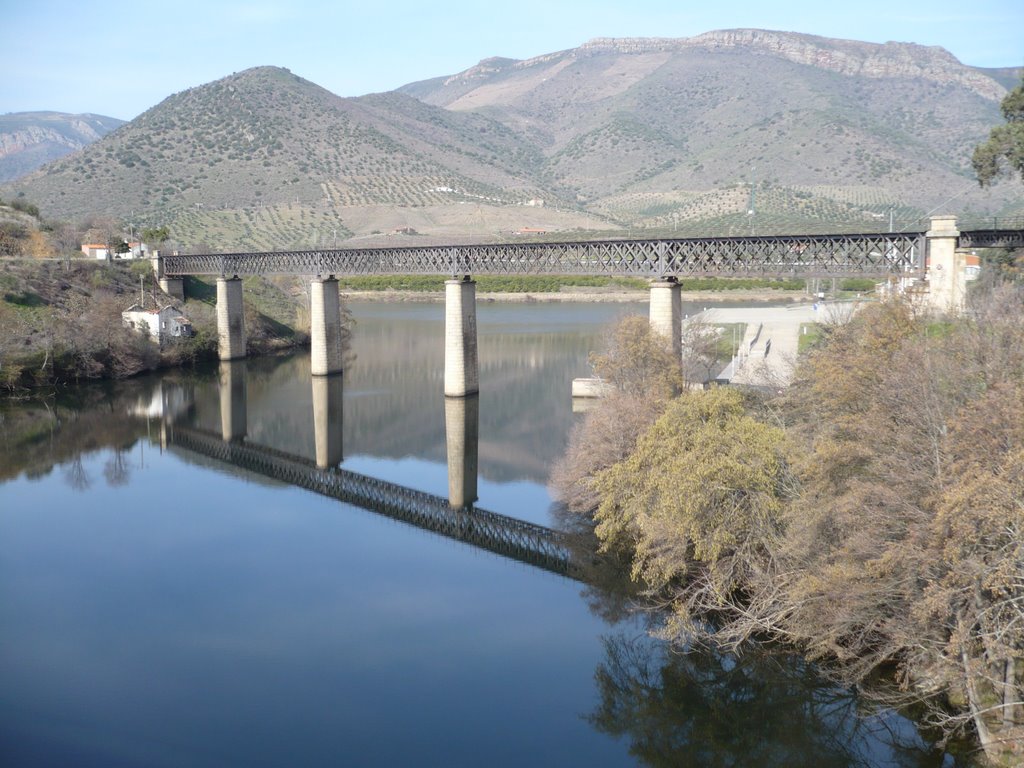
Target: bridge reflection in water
(455,517)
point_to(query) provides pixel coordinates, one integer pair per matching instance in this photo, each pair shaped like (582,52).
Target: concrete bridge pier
(325,327)
(947,278)
(172,286)
(327,420)
(462,440)
(233,406)
(667,312)
(461,375)
(230,318)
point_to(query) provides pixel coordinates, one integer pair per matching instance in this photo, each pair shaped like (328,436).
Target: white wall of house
(95,251)
(160,325)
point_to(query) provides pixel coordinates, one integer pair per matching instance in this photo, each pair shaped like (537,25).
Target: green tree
(154,236)
(700,500)
(1005,145)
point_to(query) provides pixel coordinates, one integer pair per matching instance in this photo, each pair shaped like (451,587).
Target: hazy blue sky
(119,58)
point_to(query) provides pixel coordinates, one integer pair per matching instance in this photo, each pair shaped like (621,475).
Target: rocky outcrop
(20,141)
(846,57)
(484,69)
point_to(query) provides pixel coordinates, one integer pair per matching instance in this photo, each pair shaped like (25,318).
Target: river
(159,607)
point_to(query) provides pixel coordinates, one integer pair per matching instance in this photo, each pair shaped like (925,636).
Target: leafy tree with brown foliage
(644,373)
(904,544)
(979,594)
(637,361)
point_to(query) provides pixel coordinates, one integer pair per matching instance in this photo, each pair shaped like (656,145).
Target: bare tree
(700,359)
(76,475)
(115,470)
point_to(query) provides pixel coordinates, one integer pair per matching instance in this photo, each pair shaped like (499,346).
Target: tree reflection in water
(760,709)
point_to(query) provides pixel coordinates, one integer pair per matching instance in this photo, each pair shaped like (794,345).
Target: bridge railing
(991,232)
(991,223)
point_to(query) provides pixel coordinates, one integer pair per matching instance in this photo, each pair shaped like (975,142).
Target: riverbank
(584,296)
(62,321)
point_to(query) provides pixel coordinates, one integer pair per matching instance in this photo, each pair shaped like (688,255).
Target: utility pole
(750,203)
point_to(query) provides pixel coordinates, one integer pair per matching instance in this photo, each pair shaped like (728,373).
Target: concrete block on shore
(590,387)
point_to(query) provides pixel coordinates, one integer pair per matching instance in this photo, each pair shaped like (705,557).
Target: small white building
(95,250)
(136,250)
(159,324)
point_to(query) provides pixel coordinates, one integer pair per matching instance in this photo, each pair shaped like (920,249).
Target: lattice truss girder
(503,535)
(868,255)
(992,238)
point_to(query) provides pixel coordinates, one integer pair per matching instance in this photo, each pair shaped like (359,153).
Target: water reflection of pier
(455,517)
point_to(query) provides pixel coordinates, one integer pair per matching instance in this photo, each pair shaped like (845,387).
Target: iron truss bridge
(858,255)
(994,238)
(506,536)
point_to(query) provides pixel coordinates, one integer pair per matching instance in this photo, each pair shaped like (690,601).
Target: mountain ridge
(844,56)
(29,140)
(684,135)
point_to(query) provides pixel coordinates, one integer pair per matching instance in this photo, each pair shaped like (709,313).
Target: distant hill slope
(658,131)
(264,158)
(29,140)
(685,136)
(1008,77)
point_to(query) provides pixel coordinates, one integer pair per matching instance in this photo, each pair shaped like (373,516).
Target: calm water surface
(162,608)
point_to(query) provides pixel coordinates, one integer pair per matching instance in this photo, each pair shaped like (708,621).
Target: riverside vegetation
(872,515)
(62,321)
